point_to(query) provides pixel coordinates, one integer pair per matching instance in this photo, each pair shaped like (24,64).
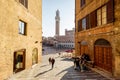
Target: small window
(84,24)
(24,3)
(22,27)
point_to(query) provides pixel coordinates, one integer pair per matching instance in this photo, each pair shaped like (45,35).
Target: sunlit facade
(21,35)
(97,33)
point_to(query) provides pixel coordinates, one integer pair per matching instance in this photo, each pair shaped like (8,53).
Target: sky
(67,16)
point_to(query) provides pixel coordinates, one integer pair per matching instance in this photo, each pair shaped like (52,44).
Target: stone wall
(11,11)
(117,38)
(109,32)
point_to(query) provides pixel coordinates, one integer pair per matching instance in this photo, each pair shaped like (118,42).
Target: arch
(103,54)
(34,56)
(102,42)
(83,47)
(84,43)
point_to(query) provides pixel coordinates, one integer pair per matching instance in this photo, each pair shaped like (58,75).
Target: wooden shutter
(93,19)
(110,11)
(22,1)
(82,3)
(79,25)
(87,22)
(26,3)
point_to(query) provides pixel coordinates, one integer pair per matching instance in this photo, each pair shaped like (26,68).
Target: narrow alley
(63,70)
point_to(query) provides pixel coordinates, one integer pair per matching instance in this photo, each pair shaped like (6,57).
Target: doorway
(103,54)
(34,56)
(19,60)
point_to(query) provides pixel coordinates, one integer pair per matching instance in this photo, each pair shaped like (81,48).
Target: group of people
(80,63)
(51,61)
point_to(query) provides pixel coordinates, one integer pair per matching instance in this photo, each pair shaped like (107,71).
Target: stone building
(63,41)
(98,33)
(57,23)
(66,41)
(21,35)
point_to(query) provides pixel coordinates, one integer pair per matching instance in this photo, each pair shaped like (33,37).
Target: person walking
(49,60)
(59,54)
(52,61)
(76,64)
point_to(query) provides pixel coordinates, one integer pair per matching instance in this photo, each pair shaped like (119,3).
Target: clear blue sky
(67,13)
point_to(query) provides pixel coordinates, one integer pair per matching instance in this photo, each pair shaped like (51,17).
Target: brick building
(21,35)
(98,33)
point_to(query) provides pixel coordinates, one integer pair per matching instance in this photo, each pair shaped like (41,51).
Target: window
(24,3)
(22,28)
(102,16)
(84,24)
(82,3)
(99,17)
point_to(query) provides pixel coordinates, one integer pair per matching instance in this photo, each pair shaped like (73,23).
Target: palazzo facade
(97,33)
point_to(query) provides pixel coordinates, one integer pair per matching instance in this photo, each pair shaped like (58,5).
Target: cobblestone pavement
(63,70)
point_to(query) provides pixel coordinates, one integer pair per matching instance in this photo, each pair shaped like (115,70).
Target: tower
(57,23)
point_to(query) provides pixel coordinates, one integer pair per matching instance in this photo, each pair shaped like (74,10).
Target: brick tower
(57,23)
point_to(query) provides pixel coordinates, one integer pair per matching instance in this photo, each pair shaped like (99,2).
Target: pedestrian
(49,60)
(76,64)
(83,64)
(59,54)
(52,61)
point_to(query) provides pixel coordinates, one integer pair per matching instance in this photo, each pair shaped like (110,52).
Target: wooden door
(84,49)
(103,57)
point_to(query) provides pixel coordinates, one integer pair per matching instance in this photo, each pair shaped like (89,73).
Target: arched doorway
(83,47)
(34,56)
(103,54)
